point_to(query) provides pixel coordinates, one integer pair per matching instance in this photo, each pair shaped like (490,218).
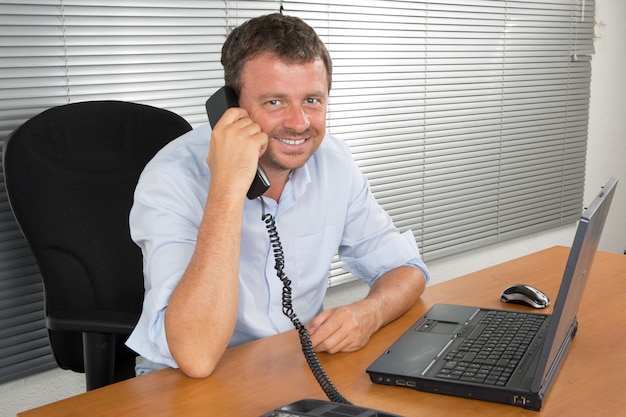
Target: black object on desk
(310,408)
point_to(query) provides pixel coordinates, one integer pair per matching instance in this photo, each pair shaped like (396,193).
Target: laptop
(444,352)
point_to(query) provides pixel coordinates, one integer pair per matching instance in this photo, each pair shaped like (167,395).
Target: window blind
(31,80)
(468,117)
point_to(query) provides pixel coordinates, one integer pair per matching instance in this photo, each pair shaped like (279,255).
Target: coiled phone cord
(287,306)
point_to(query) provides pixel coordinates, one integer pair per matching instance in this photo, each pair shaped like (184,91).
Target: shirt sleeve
(400,251)
(162,205)
(372,245)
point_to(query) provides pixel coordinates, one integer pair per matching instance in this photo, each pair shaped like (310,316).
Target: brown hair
(288,37)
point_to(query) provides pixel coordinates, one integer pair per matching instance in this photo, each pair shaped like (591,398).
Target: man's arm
(202,310)
(349,328)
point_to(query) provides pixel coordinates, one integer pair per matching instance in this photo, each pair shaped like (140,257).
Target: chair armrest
(93,321)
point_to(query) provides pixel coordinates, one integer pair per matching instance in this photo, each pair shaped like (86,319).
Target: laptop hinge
(541,384)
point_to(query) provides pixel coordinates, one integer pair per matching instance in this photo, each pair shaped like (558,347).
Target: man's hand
(342,329)
(349,328)
(237,142)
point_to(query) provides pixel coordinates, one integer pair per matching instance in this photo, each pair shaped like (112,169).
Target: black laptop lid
(575,277)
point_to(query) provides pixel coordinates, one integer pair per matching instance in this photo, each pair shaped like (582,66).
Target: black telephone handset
(216,105)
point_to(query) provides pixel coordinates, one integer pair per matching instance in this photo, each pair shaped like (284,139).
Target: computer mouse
(525,294)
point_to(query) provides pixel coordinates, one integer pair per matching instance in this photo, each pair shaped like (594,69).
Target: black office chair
(70,174)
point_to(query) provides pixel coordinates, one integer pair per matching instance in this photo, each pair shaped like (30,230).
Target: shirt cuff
(401,251)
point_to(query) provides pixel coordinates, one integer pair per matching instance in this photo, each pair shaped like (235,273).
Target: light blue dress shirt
(326,207)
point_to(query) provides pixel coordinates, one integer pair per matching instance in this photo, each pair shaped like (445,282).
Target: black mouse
(525,294)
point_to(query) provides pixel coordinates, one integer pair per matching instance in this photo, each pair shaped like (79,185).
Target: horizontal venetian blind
(162,53)
(32,79)
(469,118)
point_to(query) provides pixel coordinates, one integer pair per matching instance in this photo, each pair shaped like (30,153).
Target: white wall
(606,150)
(606,155)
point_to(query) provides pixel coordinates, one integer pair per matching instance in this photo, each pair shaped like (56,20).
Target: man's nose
(297,119)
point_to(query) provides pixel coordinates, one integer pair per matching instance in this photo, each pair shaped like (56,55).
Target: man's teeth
(290,142)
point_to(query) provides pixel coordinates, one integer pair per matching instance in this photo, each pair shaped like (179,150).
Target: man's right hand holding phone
(236,144)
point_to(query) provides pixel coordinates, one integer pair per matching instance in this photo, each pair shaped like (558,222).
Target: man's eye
(273,102)
(311,100)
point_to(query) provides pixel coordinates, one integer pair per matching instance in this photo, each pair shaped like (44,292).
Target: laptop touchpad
(416,353)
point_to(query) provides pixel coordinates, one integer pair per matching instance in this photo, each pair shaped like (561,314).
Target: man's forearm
(394,293)
(202,310)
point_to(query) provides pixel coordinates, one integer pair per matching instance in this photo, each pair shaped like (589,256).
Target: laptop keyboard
(493,349)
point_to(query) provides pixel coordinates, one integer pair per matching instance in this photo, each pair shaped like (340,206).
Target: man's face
(289,102)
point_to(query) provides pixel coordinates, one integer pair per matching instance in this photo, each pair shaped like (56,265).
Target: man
(209,268)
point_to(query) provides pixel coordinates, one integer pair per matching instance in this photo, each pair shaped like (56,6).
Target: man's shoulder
(185,154)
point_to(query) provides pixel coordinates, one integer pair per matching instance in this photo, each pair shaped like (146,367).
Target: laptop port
(519,399)
(411,384)
(400,382)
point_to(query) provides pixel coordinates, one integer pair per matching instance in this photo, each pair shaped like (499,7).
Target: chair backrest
(70,174)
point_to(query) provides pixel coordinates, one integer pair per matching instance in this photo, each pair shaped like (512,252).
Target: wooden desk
(260,376)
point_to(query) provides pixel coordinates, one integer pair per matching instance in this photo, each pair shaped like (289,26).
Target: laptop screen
(575,277)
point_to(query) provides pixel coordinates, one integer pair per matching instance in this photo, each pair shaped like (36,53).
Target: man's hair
(287,37)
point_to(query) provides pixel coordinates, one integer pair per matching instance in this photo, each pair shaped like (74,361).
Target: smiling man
(209,269)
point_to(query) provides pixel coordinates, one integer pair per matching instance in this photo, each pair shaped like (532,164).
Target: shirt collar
(296,185)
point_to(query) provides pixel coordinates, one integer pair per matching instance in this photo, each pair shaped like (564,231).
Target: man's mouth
(291,141)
